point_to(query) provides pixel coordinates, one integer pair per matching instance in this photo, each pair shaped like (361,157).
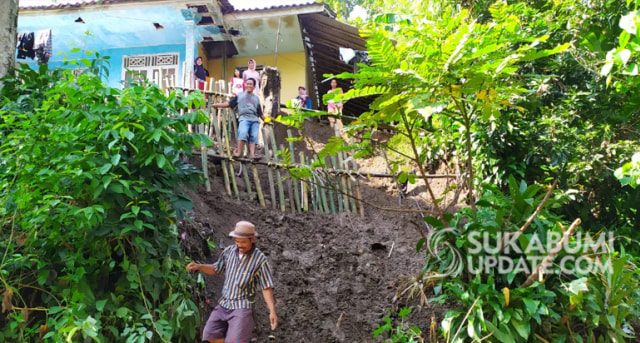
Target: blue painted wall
(109,31)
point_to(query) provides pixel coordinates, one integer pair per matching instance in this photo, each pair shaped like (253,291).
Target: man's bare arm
(221,105)
(267,293)
(204,268)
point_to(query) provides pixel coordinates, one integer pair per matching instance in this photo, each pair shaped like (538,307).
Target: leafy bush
(90,193)
(556,301)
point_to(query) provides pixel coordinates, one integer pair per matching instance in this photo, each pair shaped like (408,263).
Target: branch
(532,217)
(549,258)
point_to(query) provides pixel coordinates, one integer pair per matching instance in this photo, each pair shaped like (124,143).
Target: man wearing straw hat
(244,267)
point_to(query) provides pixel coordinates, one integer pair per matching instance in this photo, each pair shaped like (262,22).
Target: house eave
(278,11)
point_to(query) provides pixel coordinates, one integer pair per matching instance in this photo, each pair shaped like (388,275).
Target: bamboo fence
(331,186)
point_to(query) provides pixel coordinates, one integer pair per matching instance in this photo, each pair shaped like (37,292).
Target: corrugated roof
(225,5)
(323,38)
(272,7)
(69,4)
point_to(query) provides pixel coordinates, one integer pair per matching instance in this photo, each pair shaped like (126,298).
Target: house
(161,38)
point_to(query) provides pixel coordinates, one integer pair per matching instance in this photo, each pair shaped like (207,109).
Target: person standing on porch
(237,83)
(252,73)
(334,107)
(200,74)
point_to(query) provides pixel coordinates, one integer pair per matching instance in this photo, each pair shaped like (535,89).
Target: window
(161,69)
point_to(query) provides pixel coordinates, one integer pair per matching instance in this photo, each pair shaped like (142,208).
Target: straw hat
(244,229)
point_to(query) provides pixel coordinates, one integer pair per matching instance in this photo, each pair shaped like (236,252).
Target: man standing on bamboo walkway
(244,267)
(250,113)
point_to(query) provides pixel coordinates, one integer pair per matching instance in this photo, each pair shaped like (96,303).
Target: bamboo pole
(289,182)
(225,171)
(296,193)
(359,194)
(245,176)
(233,126)
(272,190)
(205,168)
(278,176)
(256,179)
(232,172)
(337,178)
(330,185)
(303,189)
(313,189)
(322,191)
(351,187)
(323,195)
(343,186)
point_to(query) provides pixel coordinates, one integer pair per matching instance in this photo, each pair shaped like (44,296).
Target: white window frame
(154,65)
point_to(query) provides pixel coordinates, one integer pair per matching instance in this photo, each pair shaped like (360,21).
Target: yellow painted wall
(292,68)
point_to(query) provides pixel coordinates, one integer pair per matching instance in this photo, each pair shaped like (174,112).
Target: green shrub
(587,293)
(90,194)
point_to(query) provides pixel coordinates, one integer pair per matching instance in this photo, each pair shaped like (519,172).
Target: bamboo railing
(334,187)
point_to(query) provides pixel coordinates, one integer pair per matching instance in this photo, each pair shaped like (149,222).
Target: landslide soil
(336,275)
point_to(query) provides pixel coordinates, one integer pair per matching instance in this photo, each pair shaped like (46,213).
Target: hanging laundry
(25,45)
(42,46)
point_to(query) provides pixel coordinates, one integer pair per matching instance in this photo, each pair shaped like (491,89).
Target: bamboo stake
(289,188)
(278,177)
(272,190)
(359,194)
(338,178)
(330,185)
(225,171)
(296,193)
(245,176)
(233,126)
(205,167)
(313,189)
(343,185)
(323,194)
(352,190)
(232,171)
(256,178)
(303,189)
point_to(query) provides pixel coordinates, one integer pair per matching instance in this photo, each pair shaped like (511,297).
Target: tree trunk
(269,98)
(8,35)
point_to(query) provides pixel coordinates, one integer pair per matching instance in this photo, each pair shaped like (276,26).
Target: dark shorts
(236,326)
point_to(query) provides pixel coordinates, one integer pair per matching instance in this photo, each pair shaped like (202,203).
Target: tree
(8,29)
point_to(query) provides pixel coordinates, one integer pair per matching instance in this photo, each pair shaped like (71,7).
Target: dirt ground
(336,275)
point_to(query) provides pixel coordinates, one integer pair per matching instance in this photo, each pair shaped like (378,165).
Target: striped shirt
(241,275)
